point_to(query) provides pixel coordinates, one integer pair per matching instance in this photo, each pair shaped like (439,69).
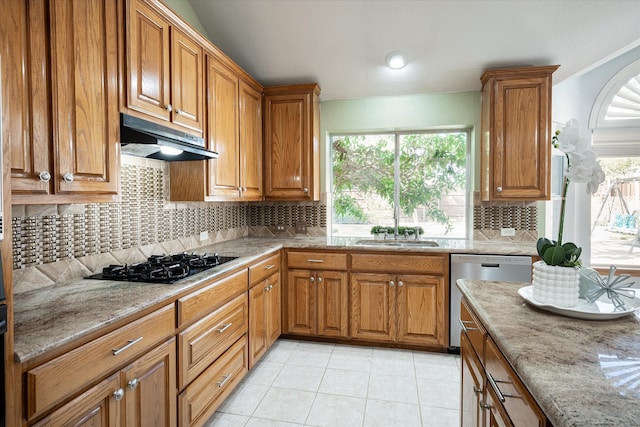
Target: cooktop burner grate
(162,268)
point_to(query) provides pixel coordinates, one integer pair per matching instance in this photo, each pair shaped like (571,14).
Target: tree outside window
(424,172)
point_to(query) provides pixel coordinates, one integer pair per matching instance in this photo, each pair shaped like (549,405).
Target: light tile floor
(298,383)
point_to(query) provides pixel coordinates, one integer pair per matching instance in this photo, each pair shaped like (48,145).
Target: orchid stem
(562,205)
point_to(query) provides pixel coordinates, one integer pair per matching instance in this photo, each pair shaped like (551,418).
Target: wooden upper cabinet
(85,96)
(234,131)
(70,149)
(291,142)
(223,130)
(187,83)
(164,70)
(250,142)
(516,134)
(148,63)
(27,127)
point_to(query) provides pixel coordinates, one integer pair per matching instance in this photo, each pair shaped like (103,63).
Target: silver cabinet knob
(169,107)
(68,177)
(45,176)
(319,279)
(179,112)
(400,283)
(133,384)
(118,394)
(313,279)
(499,189)
(305,190)
(391,283)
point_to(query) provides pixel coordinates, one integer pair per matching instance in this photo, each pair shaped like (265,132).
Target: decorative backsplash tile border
(490,217)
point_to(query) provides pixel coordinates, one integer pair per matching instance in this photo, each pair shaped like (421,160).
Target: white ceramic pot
(556,285)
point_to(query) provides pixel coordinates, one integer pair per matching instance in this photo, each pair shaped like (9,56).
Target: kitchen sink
(372,242)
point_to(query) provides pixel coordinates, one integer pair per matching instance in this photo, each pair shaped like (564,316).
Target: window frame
(469,168)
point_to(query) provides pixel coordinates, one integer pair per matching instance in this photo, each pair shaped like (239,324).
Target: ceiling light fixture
(396,60)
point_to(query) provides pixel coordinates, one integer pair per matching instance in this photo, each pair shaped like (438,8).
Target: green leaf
(554,255)
(542,244)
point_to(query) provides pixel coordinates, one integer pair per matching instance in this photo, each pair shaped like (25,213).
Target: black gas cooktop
(162,268)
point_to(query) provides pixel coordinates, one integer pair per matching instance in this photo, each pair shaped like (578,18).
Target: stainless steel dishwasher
(481,267)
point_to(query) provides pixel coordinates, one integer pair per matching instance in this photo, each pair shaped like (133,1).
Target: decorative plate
(602,309)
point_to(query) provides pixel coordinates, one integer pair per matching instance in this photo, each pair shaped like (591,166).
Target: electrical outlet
(301,227)
(204,235)
(507,232)
(280,227)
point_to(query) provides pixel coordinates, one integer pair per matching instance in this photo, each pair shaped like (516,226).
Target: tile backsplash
(490,217)
(44,234)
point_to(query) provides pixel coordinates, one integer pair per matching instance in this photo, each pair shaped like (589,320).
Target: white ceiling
(341,44)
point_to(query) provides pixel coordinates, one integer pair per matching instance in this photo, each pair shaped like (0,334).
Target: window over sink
(422,173)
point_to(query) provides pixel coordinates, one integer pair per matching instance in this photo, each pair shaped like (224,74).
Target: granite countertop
(581,372)
(51,316)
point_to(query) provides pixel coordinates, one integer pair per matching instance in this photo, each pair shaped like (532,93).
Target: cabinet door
(522,147)
(148,64)
(150,388)
(86,119)
(421,311)
(187,87)
(96,407)
(494,415)
(222,130)
(287,159)
(257,321)
(27,128)
(300,302)
(250,142)
(332,303)
(373,307)
(472,383)
(274,309)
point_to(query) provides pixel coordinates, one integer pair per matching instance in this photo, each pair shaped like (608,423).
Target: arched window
(615,209)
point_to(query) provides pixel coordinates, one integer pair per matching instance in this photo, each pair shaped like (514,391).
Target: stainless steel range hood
(142,138)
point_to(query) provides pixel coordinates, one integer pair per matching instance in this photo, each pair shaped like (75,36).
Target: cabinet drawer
(54,381)
(389,263)
(204,341)
(202,397)
(260,271)
(473,329)
(317,260)
(207,299)
(509,390)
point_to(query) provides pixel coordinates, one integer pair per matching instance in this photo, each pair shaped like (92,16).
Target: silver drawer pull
(463,324)
(225,379)
(133,384)
(477,390)
(315,260)
(494,385)
(269,267)
(130,343)
(118,394)
(225,327)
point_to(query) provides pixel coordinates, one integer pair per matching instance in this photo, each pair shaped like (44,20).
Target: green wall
(397,113)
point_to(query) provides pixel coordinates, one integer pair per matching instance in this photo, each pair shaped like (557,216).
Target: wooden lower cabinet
(143,393)
(265,325)
(492,394)
(198,402)
(472,385)
(408,309)
(317,303)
